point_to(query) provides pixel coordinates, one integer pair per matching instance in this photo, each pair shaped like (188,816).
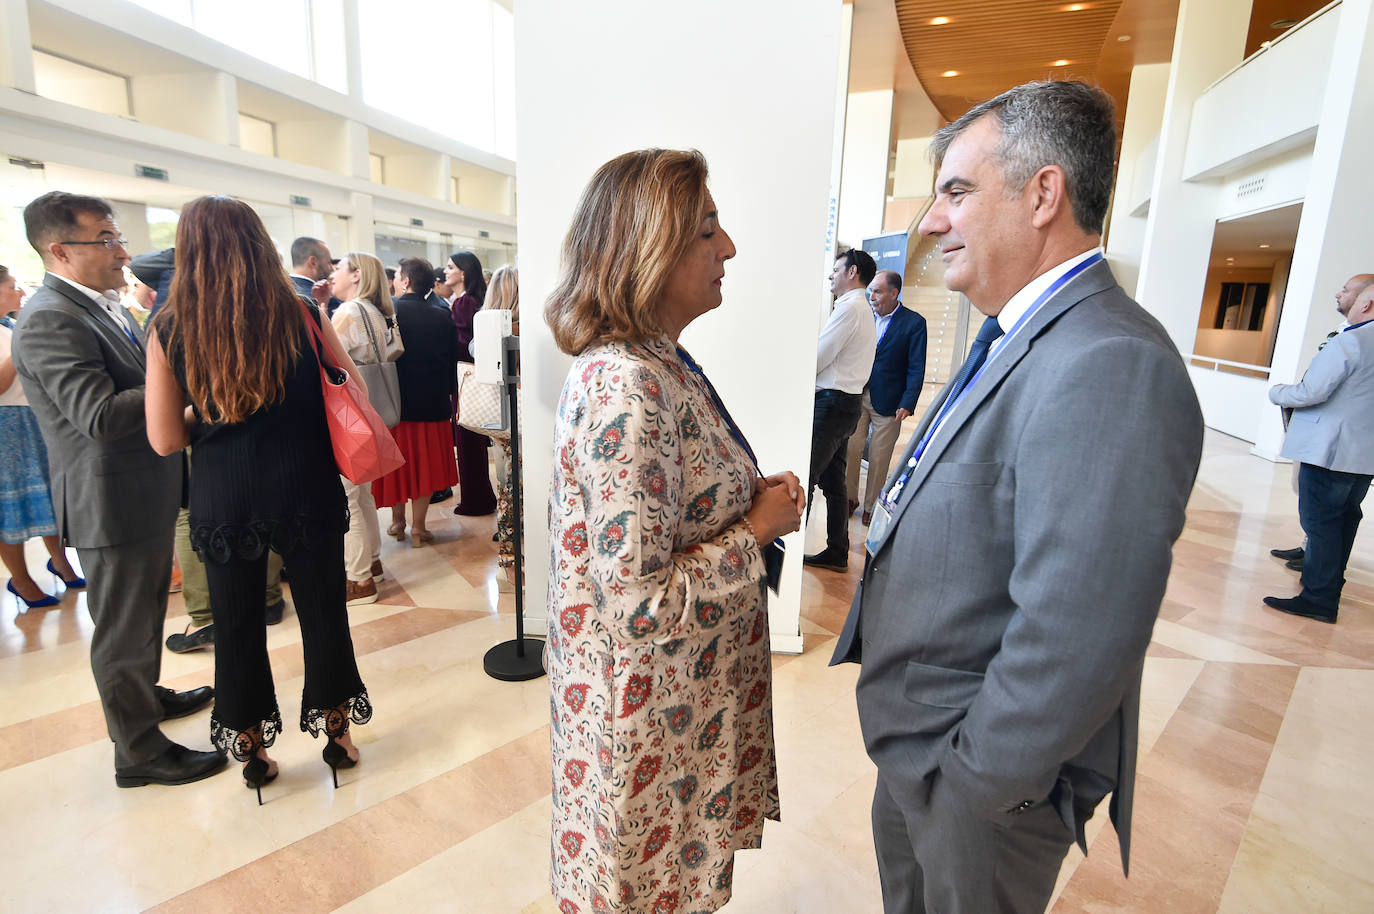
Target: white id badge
(878,528)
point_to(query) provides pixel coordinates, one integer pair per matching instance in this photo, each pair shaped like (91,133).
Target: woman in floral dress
(658,656)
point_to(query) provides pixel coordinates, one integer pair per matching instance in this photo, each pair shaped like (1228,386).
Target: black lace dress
(271,482)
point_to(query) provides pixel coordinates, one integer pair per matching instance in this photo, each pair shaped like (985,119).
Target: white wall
(915,172)
(602,77)
(867,149)
(1264,107)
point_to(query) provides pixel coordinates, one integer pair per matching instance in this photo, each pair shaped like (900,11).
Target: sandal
(420,538)
(397,530)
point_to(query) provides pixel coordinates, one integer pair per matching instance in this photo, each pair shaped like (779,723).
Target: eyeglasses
(108,244)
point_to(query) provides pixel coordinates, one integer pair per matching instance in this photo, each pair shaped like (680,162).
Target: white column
(766,132)
(353,52)
(362,230)
(1135,170)
(867,150)
(1209,39)
(16,49)
(1333,235)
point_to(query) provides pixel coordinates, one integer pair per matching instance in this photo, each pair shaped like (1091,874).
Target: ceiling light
(1123,37)
(1283,23)
(1264,244)
(1265,44)
(940,20)
(1061,62)
(1075,7)
(950,73)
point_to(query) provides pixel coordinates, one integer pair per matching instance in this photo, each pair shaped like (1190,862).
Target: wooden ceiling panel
(995,44)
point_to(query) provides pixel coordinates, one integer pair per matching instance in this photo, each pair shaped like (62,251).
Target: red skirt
(429,467)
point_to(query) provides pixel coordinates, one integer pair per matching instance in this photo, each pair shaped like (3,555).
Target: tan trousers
(363,541)
(885,432)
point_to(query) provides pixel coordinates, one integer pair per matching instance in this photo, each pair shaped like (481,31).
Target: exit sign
(148,171)
(298,200)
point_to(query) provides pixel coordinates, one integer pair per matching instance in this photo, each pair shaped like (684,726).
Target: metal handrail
(1217,363)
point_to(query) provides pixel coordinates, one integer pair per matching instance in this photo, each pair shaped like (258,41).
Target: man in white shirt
(844,359)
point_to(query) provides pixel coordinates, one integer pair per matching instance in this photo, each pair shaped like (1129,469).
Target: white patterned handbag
(481,407)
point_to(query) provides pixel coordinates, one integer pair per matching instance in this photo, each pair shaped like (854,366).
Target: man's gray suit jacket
(1333,405)
(1003,620)
(84,380)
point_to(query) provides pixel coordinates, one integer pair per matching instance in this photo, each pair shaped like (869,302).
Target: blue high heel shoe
(73,584)
(36,604)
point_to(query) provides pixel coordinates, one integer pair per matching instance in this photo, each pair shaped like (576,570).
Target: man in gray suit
(1331,437)
(80,358)
(1017,560)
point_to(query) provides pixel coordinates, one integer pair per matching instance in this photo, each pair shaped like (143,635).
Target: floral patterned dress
(658,654)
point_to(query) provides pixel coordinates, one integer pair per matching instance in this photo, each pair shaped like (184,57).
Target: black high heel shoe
(336,757)
(255,775)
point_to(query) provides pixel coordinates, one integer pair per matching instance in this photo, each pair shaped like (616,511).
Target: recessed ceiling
(996,44)
(1240,239)
(1271,18)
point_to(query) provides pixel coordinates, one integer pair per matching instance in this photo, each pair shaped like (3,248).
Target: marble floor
(1254,792)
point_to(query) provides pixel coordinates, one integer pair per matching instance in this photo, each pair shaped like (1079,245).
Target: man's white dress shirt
(844,355)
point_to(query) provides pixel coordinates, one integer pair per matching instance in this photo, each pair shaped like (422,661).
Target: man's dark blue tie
(977,355)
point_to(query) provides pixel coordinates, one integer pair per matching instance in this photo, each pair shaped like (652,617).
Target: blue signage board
(888,252)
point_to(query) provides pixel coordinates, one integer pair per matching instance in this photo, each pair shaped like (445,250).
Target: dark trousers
(1329,510)
(475,495)
(245,699)
(936,855)
(835,418)
(127,599)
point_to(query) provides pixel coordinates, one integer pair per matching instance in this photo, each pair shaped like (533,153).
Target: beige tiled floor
(1254,792)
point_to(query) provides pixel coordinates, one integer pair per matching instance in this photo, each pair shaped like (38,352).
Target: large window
(461,86)
(305,37)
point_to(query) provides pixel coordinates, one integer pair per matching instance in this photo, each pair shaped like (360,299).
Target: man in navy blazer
(899,370)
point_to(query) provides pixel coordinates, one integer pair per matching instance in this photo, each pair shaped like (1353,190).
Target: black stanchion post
(521,659)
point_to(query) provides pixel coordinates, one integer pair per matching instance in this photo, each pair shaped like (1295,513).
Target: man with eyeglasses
(79,355)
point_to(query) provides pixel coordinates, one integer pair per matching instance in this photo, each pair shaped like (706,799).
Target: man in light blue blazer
(1019,554)
(1331,437)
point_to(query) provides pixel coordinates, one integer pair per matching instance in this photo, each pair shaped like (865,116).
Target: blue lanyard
(720,408)
(890,497)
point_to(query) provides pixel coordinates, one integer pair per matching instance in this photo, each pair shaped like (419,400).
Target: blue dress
(25,496)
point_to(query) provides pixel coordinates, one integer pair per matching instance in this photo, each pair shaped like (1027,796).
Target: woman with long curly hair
(232,341)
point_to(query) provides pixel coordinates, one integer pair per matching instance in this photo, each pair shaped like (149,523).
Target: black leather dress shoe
(1293,564)
(179,704)
(176,765)
(1297,606)
(1296,554)
(275,611)
(201,638)
(441,495)
(832,559)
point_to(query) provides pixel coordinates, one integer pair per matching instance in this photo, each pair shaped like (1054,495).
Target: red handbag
(363,447)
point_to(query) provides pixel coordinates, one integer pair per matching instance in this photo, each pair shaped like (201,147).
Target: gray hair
(1069,124)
